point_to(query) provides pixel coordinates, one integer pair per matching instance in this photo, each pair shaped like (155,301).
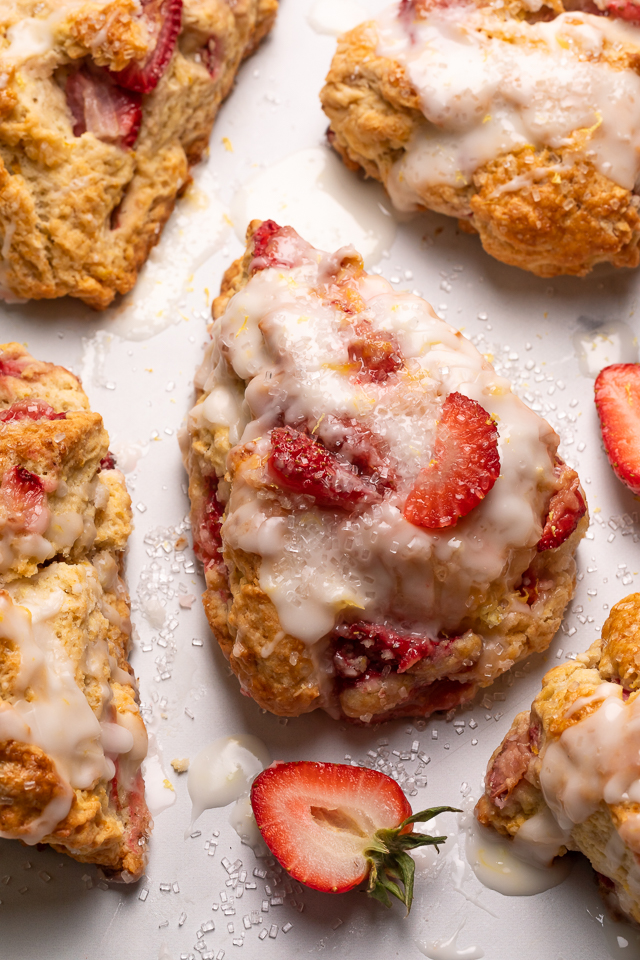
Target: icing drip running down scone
(522,119)
(567,775)
(104,107)
(384,526)
(71,735)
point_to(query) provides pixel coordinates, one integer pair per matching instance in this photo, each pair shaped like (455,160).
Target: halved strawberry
(101,107)
(30,410)
(566,508)
(463,469)
(617,393)
(331,826)
(302,464)
(163,19)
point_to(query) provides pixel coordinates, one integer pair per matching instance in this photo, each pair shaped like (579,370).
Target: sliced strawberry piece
(305,466)
(566,508)
(332,826)
(25,499)
(163,19)
(379,646)
(30,410)
(377,353)
(617,393)
(108,462)
(464,467)
(367,451)
(11,368)
(207,538)
(100,107)
(276,246)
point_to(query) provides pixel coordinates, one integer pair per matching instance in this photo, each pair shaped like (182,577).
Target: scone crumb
(180,766)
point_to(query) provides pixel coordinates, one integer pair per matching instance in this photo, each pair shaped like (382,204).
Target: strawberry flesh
(331,826)
(108,462)
(617,395)
(303,465)
(566,508)
(163,19)
(25,499)
(276,246)
(377,353)
(207,538)
(463,469)
(10,368)
(368,648)
(365,450)
(211,56)
(30,410)
(100,107)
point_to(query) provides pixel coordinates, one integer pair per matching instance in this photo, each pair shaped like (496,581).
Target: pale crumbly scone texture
(562,222)
(278,670)
(513,772)
(107,824)
(78,215)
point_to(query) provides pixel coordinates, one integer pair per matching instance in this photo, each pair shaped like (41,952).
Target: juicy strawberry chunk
(211,55)
(378,354)
(108,462)
(367,451)
(163,19)
(624,9)
(101,107)
(276,246)
(25,499)
(304,465)
(617,394)
(329,824)
(30,410)
(207,538)
(371,645)
(10,368)
(566,508)
(464,467)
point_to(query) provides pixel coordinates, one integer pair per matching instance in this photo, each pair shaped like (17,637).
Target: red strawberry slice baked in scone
(384,526)
(71,736)
(105,105)
(520,118)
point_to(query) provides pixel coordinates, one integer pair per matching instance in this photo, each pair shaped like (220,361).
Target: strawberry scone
(71,735)
(104,107)
(520,118)
(567,775)
(384,526)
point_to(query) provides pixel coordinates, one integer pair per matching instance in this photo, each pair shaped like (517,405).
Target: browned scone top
(71,735)
(367,666)
(579,741)
(552,205)
(104,107)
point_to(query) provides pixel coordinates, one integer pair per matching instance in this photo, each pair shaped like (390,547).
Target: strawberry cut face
(276,246)
(207,539)
(30,410)
(303,465)
(566,509)
(25,500)
(368,648)
(10,368)
(163,19)
(617,395)
(464,467)
(100,107)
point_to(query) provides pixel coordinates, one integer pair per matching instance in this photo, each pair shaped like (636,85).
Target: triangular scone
(330,408)
(567,775)
(105,105)
(71,735)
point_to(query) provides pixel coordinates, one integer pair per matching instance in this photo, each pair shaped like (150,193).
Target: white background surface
(143,389)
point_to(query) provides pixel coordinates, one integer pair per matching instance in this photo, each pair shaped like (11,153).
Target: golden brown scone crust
(278,670)
(90,521)
(563,220)
(512,787)
(78,215)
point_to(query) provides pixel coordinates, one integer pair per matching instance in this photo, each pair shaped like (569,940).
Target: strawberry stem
(389,863)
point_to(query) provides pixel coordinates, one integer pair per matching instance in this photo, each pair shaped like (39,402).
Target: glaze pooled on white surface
(313,192)
(489,86)
(224,770)
(335,16)
(613,342)
(449,950)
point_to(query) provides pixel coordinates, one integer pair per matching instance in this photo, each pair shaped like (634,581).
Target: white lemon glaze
(285,342)
(489,87)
